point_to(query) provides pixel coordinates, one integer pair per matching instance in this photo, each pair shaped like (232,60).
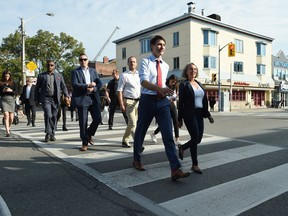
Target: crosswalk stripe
(129,177)
(232,198)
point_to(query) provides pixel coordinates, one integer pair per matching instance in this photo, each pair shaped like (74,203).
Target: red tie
(159,73)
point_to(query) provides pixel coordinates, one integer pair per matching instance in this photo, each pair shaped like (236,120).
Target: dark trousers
(50,108)
(150,107)
(174,117)
(112,109)
(95,112)
(30,112)
(195,127)
(62,112)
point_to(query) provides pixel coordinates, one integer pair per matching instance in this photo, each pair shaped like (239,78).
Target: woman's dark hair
(171,77)
(3,76)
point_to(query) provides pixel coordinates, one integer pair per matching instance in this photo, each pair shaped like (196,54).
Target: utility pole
(23,43)
(219,77)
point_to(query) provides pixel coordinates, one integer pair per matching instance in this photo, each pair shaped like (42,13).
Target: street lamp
(23,43)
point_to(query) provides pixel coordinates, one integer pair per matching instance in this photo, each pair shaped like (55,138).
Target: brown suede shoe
(178,173)
(138,166)
(83,148)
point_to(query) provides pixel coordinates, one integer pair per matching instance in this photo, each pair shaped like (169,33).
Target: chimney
(105,60)
(202,12)
(191,7)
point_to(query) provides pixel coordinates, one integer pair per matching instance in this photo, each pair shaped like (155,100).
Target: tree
(63,49)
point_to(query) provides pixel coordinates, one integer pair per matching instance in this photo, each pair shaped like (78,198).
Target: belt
(136,99)
(156,97)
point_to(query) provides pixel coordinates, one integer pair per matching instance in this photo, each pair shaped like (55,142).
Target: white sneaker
(153,137)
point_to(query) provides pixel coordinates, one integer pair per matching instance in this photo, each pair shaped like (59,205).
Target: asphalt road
(243,156)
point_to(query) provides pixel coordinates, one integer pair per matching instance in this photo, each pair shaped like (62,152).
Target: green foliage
(63,49)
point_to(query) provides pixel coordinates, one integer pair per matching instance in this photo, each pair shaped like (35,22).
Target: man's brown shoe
(138,166)
(83,148)
(178,173)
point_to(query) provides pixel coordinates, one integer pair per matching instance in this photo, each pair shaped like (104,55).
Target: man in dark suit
(27,99)
(112,96)
(85,97)
(48,90)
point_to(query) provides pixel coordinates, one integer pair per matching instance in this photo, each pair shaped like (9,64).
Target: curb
(4,210)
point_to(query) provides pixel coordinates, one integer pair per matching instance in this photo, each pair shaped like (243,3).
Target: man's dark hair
(155,39)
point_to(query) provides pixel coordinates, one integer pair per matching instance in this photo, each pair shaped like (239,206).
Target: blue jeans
(149,107)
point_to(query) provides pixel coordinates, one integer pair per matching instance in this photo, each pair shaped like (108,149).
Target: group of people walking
(141,95)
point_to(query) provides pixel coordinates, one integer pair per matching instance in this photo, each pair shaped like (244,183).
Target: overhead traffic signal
(231,50)
(214,77)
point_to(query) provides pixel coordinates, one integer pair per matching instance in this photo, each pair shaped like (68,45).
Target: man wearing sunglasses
(48,90)
(85,97)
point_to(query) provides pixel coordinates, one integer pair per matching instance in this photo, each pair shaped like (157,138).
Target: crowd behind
(141,96)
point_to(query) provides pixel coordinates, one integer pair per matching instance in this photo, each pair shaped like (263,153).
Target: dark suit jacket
(41,87)
(80,96)
(186,107)
(31,96)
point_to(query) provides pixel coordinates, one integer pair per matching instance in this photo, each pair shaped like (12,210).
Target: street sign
(31,66)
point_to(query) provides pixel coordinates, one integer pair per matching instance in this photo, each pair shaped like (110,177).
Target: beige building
(204,41)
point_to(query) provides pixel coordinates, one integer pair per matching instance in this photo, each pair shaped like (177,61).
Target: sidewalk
(33,182)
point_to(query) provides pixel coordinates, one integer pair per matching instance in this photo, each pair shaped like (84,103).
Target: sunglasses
(83,59)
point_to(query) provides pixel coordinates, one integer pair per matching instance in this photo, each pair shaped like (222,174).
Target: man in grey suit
(85,97)
(48,90)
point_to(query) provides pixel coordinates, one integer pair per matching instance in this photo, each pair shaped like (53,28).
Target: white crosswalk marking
(228,198)
(232,198)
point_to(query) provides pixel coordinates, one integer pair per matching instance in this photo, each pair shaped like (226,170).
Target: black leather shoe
(33,125)
(178,173)
(181,151)
(52,138)
(64,128)
(28,123)
(126,145)
(138,166)
(90,141)
(46,138)
(110,128)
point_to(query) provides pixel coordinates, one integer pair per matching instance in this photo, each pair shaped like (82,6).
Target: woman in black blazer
(193,108)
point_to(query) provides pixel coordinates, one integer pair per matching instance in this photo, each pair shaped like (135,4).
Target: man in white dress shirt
(128,95)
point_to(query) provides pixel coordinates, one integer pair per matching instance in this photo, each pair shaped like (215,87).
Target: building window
(209,37)
(176,63)
(261,69)
(124,53)
(175,39)
(239,46)
(238,95)
(209,62)
(123,69)
(145,45)
(238,66)
(261,49)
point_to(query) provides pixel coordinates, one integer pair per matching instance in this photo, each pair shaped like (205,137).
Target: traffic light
(214,77)
(231,50)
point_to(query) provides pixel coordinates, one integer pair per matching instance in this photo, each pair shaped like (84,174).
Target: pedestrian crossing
(237,174)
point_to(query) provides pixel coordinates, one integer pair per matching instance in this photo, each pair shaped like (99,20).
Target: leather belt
(136,99)
(156,97)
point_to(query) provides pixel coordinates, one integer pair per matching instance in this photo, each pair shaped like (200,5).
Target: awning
(241,77)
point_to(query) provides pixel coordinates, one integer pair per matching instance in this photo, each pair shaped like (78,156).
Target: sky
(93,21)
